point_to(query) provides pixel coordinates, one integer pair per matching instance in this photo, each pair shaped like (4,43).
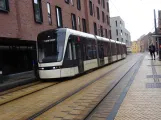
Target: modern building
(118,30)
(145,41)
(22,20)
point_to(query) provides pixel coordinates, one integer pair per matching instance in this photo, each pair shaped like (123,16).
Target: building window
(103,17)
(101,28)
(95,28)
(110,34)
(59,17)
(90,8)
(116,23)
(98,13)
(117,39)
(93,10)
(98,1)
(79,25)
(117,33)
(108,23)
(78,5)
(107,7)
(103,2)
(71,1)
(84,25)
(37,11)
(106,33)
(121,32)
(49,13)
(67,1)
(74,24)
(4,5)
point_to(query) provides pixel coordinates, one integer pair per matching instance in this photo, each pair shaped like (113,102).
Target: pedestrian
(152,51)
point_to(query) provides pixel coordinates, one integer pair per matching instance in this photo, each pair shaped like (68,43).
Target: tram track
(18,88)
(36,116)
(92,112)
(54,95)
(19,93)
(71,94)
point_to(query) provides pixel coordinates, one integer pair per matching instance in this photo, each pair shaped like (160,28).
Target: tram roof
(83,34)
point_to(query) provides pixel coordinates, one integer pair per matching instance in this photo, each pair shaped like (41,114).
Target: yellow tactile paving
(142,103)
(86,99)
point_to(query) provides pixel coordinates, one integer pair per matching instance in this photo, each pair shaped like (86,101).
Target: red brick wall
(8,22)
(93,18)
(21,12)
(30,29)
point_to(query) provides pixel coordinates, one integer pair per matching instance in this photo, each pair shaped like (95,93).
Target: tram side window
(108,49)
(72,39)
(69,51)
(105,44)
(74,51)
(113,50)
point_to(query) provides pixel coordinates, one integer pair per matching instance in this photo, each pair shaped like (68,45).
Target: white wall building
(119,32)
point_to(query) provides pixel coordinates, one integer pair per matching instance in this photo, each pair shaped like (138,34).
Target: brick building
(22,20)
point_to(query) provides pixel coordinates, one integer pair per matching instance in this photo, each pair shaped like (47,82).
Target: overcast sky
(137,15)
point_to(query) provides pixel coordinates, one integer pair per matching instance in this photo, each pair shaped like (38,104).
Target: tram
(64,52)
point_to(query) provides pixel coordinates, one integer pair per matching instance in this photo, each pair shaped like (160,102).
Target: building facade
(22,20)
(119,32)
(135,47)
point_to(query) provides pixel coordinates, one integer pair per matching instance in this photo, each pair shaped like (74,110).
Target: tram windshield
(50,46)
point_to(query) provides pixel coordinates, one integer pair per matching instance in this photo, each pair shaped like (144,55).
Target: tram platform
(14,80)
(139,99)
(143,98)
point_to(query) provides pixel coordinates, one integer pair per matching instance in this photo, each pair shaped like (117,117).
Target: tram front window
(50,46)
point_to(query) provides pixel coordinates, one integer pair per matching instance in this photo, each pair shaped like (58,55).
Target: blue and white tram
(65,52)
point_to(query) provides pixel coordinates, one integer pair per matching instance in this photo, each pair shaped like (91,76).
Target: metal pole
(156,39)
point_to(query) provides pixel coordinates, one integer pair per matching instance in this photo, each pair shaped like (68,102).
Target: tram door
(101,55)
(79,49)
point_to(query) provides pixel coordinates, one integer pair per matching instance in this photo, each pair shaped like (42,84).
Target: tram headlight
(41,68)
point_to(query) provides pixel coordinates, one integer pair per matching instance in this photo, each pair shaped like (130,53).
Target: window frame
(99,2)
(79,23)
(49,14)
(101,29)
(106,33)
(74,22)
(103,3)
(78,4)
(67,1)
(103,17)
(7,7)
(90,8)
(60,12)
(95,28)
(40,8)
(98,13)
(84,25)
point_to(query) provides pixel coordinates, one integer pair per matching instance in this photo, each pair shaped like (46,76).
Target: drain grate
(153,76)
(153,85)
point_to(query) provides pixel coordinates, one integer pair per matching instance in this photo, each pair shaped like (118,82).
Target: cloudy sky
(137,15)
